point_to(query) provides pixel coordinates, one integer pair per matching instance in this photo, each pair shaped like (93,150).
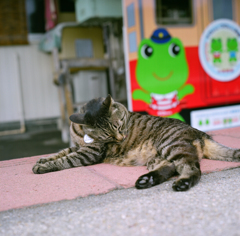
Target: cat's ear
(82,119)
(77,118)
(108,101)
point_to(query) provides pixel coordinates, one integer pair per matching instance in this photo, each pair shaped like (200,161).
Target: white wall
(40,96)
(89,85)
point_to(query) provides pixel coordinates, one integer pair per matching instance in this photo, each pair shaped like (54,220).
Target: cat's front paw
(41,169)
(42,160)
(38,168)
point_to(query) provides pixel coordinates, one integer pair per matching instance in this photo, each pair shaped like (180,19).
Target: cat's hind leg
(185,157)
(160,172)
(190,174)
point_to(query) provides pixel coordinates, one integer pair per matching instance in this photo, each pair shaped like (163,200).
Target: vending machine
(183,60)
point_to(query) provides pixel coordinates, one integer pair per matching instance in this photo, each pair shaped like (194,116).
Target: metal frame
(62,77)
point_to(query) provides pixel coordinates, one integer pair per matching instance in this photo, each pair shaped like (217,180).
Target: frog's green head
(162,66)
(216,45)
(232,44)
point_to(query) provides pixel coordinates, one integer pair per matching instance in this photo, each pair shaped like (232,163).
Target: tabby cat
(104,131)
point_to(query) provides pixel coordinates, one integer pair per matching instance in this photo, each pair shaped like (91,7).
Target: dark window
(66,5)
(13,26)
(222,9)
(35,16)
(174,12)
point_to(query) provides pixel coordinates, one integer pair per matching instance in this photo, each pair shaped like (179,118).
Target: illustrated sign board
(162,72)
(168,71)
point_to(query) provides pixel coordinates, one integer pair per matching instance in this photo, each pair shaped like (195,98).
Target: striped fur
(166,146)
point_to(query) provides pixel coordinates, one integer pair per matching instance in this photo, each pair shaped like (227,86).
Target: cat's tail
(216,151)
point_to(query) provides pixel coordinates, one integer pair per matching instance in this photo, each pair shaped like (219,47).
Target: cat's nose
(121,137)
(125,134)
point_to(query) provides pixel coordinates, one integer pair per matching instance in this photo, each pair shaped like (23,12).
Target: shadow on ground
(30,144)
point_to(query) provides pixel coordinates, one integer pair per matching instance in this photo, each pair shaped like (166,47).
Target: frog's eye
(146,51)
(173,50)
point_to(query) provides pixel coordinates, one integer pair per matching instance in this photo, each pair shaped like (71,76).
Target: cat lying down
(104,131)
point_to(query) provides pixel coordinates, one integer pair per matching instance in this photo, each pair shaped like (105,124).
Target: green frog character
(162,72)
(232,48)
(216,50)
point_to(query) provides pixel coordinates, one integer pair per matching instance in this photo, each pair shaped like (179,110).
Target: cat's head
(103,119)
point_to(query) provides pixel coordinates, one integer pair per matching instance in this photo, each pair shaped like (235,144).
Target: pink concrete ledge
(19,187)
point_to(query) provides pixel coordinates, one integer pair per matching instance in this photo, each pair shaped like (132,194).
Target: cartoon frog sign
(162,72)
(216,50)
(232,48)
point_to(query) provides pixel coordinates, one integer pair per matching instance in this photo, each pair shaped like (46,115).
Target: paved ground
(210,208)
(19,187)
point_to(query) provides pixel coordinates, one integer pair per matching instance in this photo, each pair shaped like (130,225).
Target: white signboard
(216,118)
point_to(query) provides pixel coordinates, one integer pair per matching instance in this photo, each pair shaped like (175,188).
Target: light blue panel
(84,10)
(84,48)
(97,9)
(130,15)
(222,9)
(132,37)
(108,8)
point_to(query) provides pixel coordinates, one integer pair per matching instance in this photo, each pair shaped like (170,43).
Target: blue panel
(130,15)
(222,9)
(132,42)
(141,17)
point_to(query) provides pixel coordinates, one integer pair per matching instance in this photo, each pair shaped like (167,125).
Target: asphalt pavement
(210,208)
